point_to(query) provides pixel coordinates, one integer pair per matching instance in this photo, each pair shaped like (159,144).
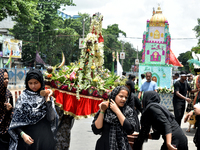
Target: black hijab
(5,94)
(118,137)
(151,98)
(35,74)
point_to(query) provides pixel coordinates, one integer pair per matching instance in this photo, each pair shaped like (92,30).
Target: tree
(197,29)
(130,55)
(111,43)
(183,58)
(47,21)
(77,25)
(21,10)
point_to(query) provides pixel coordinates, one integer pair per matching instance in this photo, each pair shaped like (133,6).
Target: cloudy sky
(131,16)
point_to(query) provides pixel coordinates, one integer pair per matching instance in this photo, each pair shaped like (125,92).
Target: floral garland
(88,75)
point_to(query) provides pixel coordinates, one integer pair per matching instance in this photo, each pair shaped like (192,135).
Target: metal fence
(17,75)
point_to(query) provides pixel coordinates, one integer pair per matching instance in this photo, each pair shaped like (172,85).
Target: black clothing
(117,134)
(182,88)
(40,132)
(179,109)
(162,122)
(178,103)
(132,86)
(103,141)
(35,74)
(5,115)
(135,104)
(197,134)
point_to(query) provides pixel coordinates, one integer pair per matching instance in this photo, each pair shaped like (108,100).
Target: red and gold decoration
(81,86)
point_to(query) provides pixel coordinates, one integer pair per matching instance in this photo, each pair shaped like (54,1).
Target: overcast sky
(131,16)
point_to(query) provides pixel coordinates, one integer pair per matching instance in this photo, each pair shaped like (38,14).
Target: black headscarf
(35,74)
(5,94)
(30,107)
(150,98)
(117,137)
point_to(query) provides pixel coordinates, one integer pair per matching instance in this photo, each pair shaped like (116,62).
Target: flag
(173,60)
(119,69)
(39,59)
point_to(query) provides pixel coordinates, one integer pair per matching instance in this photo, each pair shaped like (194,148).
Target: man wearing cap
(180,91)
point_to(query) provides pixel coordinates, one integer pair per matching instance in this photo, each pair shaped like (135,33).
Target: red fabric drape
(173,60)
(86,106)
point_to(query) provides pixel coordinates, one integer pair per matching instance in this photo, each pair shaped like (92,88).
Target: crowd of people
(155,119)
(35,123)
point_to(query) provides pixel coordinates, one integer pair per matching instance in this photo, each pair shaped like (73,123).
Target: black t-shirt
(182,88)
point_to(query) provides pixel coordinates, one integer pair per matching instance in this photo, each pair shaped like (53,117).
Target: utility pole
(83,28)
(122,51)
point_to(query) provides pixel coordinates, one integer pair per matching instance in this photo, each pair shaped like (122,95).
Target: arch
(158,78)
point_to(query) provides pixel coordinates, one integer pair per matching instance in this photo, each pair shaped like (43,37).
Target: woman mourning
(34,119)
(6,102)
(135,104)
(162,122)
(115,122)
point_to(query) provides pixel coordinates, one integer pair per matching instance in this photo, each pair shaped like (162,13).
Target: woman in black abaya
(6,102)
(115,122)
(34,119)
(162,122)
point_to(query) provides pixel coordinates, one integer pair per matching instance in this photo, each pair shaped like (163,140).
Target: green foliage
(42,35)
(183,58)
(130,55)
(197,29)
(111,43)
(21,10)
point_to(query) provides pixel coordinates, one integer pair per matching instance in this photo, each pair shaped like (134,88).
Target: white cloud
(131,16)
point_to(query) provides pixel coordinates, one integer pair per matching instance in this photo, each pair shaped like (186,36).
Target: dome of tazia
(158,19)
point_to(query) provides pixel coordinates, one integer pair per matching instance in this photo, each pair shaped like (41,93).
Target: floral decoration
(87,76)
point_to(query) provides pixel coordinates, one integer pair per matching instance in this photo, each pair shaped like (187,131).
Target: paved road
(82,138)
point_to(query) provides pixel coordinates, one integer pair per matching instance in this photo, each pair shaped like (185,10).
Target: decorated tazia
(88,76)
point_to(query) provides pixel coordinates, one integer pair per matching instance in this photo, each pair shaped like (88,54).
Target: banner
(12,45)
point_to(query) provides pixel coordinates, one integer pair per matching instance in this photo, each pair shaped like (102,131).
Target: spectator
(6,109)
(143,79)
(132,80)
(180,91)
(176,77)
(123,75)
(148,85)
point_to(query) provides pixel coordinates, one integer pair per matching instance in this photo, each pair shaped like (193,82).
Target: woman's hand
(8,106)
(47,97)
(114,106)
(103,106)
(27,139)
(171,147)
